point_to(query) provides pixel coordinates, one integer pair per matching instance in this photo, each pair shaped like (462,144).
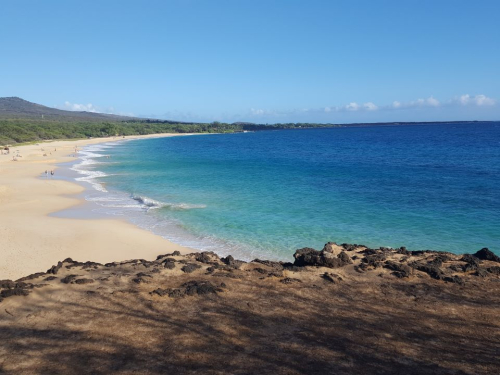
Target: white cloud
(68,106)
(396,104)
(432,102)
(479,100)
(80,107)
(352,106)
(483,100)
(257,111)
(370,106)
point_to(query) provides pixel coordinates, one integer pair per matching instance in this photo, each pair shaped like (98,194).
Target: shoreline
(32,238)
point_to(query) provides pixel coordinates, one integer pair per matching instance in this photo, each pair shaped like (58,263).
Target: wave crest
(151,204)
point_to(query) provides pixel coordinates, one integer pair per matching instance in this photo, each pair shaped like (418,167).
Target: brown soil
(227,317)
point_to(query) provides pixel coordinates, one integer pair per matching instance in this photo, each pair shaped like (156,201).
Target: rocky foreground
(346,309)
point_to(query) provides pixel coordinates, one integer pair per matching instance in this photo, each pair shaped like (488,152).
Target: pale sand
(31,241)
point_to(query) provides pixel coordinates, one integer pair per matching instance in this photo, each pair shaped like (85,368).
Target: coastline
(31,239)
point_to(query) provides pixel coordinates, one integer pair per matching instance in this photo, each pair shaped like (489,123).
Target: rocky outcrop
(486,254)
(190,288)
(324,258)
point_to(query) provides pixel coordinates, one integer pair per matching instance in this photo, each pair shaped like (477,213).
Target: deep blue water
(268,193)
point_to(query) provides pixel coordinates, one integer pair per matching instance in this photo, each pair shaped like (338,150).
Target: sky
(258,61)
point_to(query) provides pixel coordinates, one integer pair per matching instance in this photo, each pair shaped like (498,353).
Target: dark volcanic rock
(402,250)
(260,270)
(190,267)
(495,270)
(486,254)
(207,257)
(142,277)
(69,279)
(472,262)
(374,260)
(230,261)
(344,257)
(431,270)
(50,278)
(289,280)
(399,270)
(200,288)
(310,257)
(14,292)
(331,277)
(190,288)
(278,266)
(55,269)
(169,263)
(481,272)
(350,247)
(32,276)
(7,284)
(454,279)
(84,281)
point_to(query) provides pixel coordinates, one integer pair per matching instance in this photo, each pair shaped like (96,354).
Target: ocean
(266,194)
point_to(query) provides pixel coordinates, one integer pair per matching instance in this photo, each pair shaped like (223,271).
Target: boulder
(190,267)
(332,248)
(399,270)
(310,257)
(486,254)
(55,269)
(230,261)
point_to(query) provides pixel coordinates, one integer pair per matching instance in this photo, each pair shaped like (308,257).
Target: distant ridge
(14,107)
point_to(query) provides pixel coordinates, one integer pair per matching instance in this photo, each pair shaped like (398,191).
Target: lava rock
(230,261)
(495,270)
(481,272)
(431,270)
(486,254)
(278,266)
(190,288)
(454,279)
(14,292)
(84,281)
(190,267)
(31,277)
(290,280)
(331,277)
(374,260)
(55,269)
(344,257)
(69,279)
(399,270)
(310,257)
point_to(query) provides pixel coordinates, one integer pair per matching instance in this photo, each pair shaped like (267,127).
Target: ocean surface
(266,194)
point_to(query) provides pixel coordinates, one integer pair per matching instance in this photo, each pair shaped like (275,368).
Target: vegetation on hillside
(26,130)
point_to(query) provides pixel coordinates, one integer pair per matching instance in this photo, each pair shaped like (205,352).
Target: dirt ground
(199,314)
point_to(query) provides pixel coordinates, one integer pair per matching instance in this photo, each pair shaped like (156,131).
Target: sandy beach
(32,241)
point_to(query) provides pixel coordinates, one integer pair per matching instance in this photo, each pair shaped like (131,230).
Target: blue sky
(260,61)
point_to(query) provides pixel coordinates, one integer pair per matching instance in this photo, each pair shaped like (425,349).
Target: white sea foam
(154,204)
(85,167)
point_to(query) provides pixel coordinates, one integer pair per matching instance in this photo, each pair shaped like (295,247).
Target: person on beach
(46,174)
(51,173)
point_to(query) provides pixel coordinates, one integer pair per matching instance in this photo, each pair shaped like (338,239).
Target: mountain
(14,107)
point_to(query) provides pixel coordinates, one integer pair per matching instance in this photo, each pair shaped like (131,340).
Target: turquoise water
(265,194)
